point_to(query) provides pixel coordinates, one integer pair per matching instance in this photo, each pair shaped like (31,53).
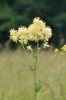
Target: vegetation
(36,31)
(48,69)
(14,13)
(16,80)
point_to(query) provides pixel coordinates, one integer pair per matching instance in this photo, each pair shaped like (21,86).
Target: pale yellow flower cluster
(29,48)
(23,35)
(45,45)
(56,50)
(13,35)
(35,32)
(39,31)
(64,48)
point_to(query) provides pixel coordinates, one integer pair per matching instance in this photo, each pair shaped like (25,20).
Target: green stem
(36,59)
(35,94)
(29,60)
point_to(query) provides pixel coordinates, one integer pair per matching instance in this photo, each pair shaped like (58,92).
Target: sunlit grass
(16,80)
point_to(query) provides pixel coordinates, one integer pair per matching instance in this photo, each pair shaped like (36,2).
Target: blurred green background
(14,13)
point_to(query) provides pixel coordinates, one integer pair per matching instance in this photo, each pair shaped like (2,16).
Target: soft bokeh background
(14,13)
(16,80)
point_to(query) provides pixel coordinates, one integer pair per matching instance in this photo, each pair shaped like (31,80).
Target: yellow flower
(23,35)
(39,22)
(13,35)
(39,30)
(64,48)
(29,48)
(56,50)
(61,53)
(47,33)
(35,32)
(45,45)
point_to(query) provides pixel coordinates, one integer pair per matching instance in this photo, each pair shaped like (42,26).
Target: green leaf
(38,86)
(33,67)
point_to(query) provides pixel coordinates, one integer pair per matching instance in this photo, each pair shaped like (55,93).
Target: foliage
(16,82)
(14,13)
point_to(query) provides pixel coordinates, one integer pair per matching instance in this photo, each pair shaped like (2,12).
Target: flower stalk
(37,31)
(36,60)
(35,94)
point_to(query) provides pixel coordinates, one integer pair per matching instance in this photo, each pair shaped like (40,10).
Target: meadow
(16,79)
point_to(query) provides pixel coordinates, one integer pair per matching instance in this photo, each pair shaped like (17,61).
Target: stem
(29,60)
(36,59)
(35,94)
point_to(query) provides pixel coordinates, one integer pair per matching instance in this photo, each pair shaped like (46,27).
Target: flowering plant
(35,32)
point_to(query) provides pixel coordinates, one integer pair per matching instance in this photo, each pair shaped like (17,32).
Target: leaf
(38,86)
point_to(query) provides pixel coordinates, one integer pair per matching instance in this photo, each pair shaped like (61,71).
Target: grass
(16,80)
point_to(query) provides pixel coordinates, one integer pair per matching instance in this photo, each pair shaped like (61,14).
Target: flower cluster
(64,48)
(35,32)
